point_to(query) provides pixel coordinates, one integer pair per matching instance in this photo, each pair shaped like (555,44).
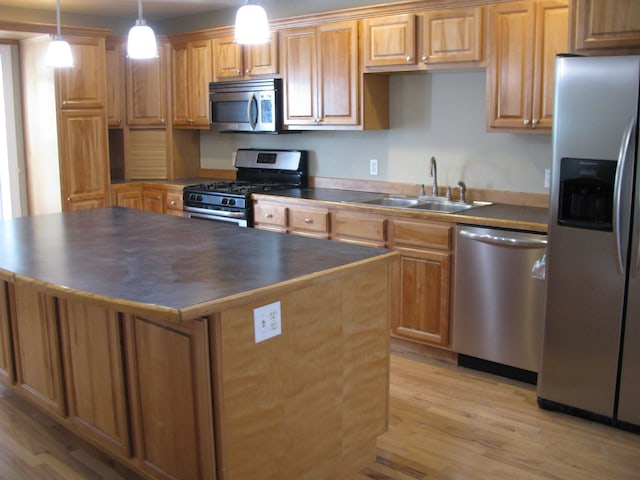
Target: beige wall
(440,114)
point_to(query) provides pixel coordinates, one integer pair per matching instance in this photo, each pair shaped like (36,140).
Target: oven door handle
(217,213)
(253,118)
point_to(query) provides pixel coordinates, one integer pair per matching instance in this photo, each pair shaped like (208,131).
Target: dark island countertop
(147,259)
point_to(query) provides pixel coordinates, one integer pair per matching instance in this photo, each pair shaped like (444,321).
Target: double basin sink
(421,202)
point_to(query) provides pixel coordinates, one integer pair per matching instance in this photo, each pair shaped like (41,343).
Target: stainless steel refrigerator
(590,362)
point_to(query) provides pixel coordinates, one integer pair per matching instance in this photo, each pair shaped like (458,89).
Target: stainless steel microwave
(246,106)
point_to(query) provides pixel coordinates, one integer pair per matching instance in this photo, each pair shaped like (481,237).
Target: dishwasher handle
(504,240)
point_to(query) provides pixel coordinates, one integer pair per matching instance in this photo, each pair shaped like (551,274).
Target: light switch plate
(267,322)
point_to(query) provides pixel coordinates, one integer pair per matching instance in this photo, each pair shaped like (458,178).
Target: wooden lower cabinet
(171,406)
(93,361)
(267,216)
(422,281)
(6,347)
(309,222)
(137,388)
(128,195)
(360,229)
(36,345)
(153,200)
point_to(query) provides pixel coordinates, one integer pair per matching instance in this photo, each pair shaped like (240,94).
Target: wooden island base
(188,394)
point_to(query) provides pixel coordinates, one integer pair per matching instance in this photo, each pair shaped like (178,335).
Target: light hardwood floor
(445,423)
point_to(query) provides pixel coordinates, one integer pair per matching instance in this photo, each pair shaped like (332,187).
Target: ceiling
(152,9)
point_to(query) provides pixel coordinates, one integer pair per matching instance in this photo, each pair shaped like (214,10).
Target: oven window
(229,112)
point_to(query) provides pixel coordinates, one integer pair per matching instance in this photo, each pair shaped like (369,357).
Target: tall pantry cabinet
(66,141)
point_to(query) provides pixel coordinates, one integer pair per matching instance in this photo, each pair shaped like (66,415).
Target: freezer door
(596,102)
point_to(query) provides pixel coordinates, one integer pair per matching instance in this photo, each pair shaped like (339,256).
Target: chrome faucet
(463,191)
(434,174)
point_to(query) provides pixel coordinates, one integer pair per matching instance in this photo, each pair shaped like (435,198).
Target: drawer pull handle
(308,220)
(268,215)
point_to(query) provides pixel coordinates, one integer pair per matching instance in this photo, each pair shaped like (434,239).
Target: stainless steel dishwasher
(498,304)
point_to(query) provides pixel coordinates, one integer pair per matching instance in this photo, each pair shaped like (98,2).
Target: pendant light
(59,51)
(142,41)
(252,26)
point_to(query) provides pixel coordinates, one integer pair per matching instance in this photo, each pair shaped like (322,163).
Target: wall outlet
(267,322)
(373,167)
(547,178)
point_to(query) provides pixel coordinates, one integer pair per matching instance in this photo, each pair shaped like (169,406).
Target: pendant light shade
(141,42)
(59,51)
(252,26)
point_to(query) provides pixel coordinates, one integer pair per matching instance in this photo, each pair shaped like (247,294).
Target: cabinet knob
(424,58)
(173,203)
(409,58)
(526,122)
(237,72)
(162,120)
(308,220)
(534,123)
(69,199)
(268,215)
(247,71)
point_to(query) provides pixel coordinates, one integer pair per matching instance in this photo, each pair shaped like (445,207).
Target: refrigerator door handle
(623,164)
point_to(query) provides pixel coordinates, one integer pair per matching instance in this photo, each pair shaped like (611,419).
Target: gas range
(257,171)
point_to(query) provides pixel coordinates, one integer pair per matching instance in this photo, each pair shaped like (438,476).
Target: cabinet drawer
(412,233)
(362,229)
(270,214)
(309,220)
(174,201)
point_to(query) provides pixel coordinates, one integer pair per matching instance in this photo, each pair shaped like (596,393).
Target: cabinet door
(128,198)
(94,374)
(389,40)
(449,36)
(262,59)
(180,84)
(199,78)
(84,85)
(6,348)
(84,159)
(170,390)
(423,296)
(611,26)
(147,89)
(153,200)
(227,59)
(114,58)
(552,24)
(298,49)
(510,77)
(37,349)
(338,73)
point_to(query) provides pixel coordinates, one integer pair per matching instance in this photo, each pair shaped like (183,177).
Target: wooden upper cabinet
(147,89)
(236,62)
(526,36)
(84,159)
(191,74)
(605,26)
(320,75)
(84,85)
(389,40)
(451,36)
(114,59)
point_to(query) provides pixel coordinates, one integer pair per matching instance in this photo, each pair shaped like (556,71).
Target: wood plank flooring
(445,423)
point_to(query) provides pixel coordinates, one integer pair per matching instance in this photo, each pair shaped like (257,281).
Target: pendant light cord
(58,16)
(139,10)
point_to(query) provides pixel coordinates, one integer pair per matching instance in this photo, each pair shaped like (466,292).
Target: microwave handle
(253,121)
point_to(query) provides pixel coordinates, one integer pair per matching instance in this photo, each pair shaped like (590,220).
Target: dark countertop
(168,262)
(496,215)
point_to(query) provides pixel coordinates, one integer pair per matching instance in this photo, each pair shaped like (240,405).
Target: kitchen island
(144,334)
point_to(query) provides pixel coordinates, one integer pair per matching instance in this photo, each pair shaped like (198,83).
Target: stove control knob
(225,201)
(199,198)
(232,201)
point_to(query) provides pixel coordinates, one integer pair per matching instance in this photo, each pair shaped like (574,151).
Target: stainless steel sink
(429,203)
(391,201)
